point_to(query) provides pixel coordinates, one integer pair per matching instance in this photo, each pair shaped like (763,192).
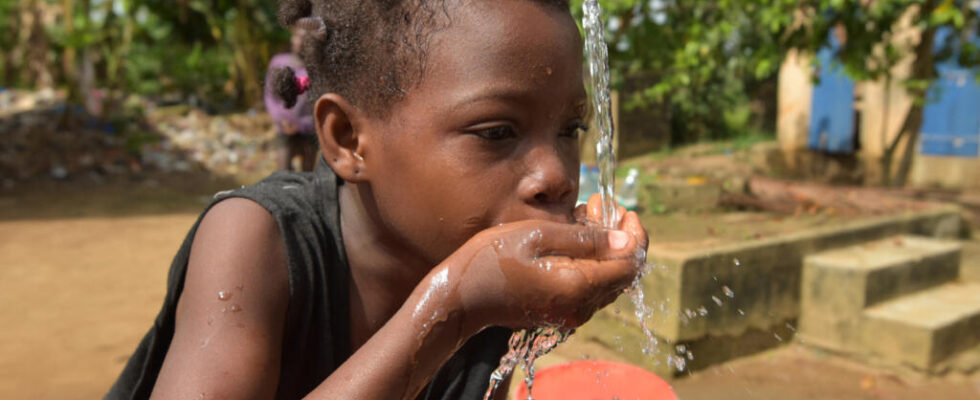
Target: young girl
(440,217)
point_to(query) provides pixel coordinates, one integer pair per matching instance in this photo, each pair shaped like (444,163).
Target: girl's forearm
(398,360)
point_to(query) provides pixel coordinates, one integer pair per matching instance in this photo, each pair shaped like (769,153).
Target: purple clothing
(302,113)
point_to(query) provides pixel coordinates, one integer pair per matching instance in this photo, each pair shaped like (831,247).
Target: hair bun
(286,86)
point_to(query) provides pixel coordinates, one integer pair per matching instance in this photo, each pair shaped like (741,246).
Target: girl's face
(489,134)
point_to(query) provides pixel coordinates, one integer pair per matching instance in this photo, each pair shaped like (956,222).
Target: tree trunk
(922,70)
(69,67)
(86,79)
(9,59)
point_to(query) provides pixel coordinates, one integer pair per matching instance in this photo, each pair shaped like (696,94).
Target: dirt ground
(82,275)
(77,296)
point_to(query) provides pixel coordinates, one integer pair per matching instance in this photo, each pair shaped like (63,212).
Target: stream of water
(529,344)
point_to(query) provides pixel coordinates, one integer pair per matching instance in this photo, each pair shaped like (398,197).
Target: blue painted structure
(951,117)
(832,112)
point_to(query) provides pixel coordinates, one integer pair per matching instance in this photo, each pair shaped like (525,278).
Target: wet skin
(457,214)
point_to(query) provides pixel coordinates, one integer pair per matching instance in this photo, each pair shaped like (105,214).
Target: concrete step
(970,268)
(926,328)
(837,285)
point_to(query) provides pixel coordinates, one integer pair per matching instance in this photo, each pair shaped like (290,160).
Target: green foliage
(216,50)
(710,58)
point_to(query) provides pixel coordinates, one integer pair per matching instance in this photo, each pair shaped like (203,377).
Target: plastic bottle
(587,183)
(628,194)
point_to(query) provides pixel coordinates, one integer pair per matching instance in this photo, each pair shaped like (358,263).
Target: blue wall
(951,118)
(832,114)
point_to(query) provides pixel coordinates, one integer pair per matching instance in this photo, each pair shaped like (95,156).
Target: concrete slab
(839,284)
(732,300)
(970,265)
(681,195)
(757,282)
(927,327)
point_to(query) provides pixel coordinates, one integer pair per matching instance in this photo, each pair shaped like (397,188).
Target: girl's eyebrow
(495,93)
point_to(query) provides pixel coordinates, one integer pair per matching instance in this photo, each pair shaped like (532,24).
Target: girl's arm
(231,313)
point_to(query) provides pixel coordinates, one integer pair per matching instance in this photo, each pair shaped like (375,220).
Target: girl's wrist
(436,307)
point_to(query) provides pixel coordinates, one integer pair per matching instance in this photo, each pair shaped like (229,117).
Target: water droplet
(740,312)
(679,363)
(738,263)
(210,320)
(224,309)
(235,308)
(681,349)
(224,296)
(790,327)
(717,301)
(728,292)
(690,356)
(779,338)
(703,311)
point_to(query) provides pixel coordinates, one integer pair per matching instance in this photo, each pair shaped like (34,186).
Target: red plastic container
(596,380)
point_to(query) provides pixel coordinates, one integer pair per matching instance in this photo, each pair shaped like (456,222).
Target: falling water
(528,345)
(598,56)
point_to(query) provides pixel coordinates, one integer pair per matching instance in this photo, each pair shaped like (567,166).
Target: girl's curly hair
(369,51)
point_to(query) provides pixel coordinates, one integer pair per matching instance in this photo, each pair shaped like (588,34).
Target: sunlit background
(808,171)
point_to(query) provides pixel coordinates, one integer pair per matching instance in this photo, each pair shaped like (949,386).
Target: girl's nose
(549,180)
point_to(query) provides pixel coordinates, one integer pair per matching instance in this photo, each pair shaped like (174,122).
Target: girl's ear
(337,127)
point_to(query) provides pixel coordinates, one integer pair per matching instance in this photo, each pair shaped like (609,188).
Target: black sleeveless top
(317,332)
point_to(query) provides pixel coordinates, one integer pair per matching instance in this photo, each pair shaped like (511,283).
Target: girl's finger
(612,274)
(582,242)
(631,224)
(595,208)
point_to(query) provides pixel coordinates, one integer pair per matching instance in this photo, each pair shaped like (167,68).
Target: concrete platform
(736,299)
(923,329)
(763,276)
(837,285)
(970,266)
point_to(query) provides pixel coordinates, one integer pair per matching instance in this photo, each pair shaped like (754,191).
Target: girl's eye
(500,132)
(573,132)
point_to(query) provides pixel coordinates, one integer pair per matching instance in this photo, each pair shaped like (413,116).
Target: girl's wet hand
(535,273)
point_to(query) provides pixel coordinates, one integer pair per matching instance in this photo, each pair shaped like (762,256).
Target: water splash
(525,347)
(643,312)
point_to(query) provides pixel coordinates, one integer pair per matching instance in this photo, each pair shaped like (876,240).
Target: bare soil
(77,296)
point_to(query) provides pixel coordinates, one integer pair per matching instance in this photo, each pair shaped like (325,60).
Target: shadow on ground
(154,194)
